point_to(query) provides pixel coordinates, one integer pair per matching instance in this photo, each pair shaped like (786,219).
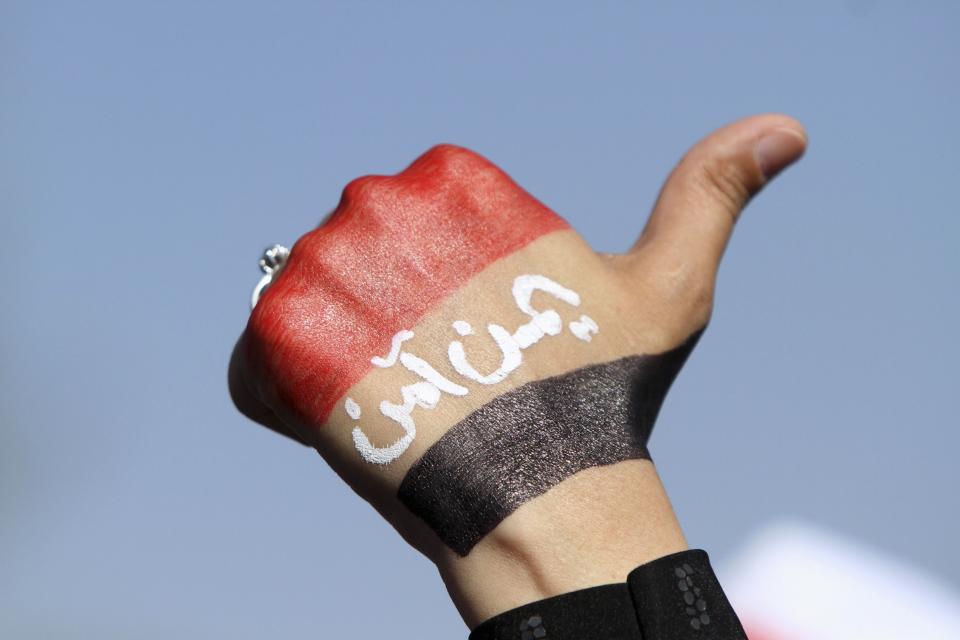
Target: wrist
(592,529)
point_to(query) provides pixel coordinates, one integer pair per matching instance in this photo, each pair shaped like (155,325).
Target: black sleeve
(676,597)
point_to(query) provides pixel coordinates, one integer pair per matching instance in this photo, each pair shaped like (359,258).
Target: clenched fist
(482,377)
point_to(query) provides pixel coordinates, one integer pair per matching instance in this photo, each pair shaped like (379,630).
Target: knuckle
(431,174)
(449,159)
(724,182)
(363,194)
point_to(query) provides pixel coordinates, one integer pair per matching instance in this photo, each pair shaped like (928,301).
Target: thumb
(702,199)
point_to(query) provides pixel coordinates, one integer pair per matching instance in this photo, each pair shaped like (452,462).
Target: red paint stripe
(395,247)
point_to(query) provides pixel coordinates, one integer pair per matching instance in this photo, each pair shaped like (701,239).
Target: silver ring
(271,263)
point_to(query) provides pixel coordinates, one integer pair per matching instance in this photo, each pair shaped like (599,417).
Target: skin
(597,525)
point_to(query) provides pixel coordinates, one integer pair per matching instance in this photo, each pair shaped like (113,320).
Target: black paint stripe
(522,443)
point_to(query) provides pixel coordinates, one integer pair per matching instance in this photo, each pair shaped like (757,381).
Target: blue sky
(150,151)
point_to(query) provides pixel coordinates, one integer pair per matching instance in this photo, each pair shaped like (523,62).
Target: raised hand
(488,382)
